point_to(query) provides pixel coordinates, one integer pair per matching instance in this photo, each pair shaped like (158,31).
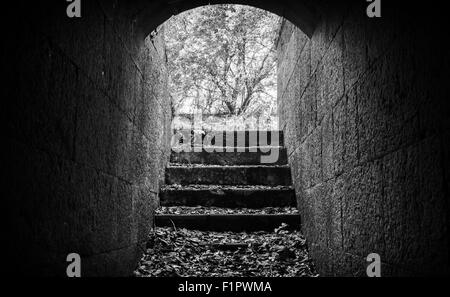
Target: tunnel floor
(191,253)
(227,214)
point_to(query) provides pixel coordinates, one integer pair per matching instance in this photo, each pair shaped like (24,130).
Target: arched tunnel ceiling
(302,13)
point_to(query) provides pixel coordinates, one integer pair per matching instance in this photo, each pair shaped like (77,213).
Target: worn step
(229,222)
(228,175)
(214,210)
(227,196)
(235,157)
(233,138)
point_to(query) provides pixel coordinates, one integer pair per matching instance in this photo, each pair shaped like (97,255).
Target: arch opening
(222,68)
(302,13)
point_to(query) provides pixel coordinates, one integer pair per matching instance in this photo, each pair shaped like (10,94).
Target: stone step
(229,222)
(233,138)
(228,175)
(229,158)
(227,196)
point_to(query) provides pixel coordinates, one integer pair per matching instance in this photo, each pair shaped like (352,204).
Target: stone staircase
(228,182)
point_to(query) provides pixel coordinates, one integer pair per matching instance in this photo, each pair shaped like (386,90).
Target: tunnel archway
(301,13)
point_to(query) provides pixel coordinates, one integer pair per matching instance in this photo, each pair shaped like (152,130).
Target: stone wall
(362,106)
(88,131)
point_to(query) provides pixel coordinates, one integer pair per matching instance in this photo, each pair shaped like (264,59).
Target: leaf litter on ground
(190,253)
(201,210)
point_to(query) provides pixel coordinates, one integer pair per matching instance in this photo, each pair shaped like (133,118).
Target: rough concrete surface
(361,107)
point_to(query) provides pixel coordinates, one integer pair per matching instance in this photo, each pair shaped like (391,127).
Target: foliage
(222,59)
(187,253)
(199,210)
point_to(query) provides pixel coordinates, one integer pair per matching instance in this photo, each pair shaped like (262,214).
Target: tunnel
(362,103)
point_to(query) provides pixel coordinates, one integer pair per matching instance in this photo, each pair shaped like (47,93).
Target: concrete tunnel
(361,102)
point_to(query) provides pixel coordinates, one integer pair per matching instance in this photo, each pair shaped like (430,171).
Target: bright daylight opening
(222,65)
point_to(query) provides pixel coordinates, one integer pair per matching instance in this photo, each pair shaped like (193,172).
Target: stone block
(304,65)
(330,77)
(309,100)
(328,152)
(362,209)
(351,146)
(355,59)
(338,138)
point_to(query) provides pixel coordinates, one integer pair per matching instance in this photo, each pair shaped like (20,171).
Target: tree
(222,59)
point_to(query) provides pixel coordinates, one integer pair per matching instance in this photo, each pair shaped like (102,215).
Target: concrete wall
(362,105)
(88,128)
